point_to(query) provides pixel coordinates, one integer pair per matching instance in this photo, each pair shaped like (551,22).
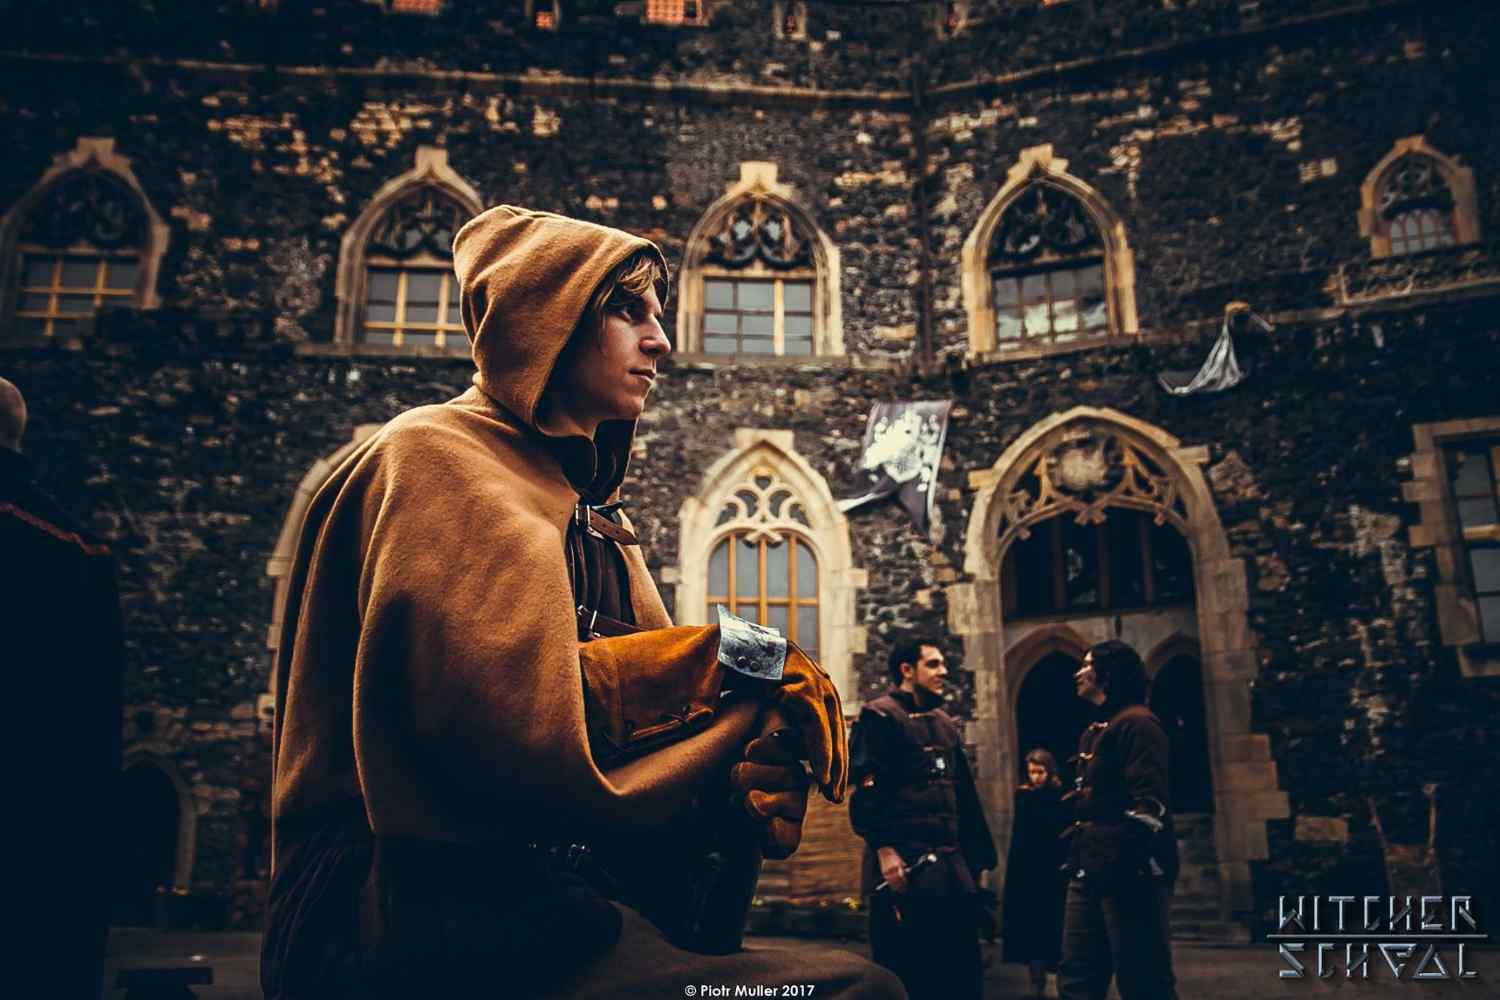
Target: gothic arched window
(758,282)
(1048,264)
(1417,199)
(764,569)
(395,283)
(411,296)
(80,251)
(1047,271)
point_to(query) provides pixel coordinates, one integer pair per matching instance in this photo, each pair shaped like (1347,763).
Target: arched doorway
(1083,465)
(1049,713)
(146,835)
(1177,699)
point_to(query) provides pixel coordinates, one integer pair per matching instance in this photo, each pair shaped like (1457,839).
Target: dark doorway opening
(147,842)
(1177,699)
(1050,715)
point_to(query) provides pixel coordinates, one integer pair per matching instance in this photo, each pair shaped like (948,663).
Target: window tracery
(1416,199)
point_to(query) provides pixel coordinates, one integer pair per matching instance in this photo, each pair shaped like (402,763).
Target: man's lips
(645,373)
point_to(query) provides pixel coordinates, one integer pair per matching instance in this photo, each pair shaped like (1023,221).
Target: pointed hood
(524,280)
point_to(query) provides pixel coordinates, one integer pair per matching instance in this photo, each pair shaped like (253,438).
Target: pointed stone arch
(1244,775)
(758,186)
(159,756)
(1039,165)
(1463,203)
(279,566)
(702,524)
(91,155)
(431,170)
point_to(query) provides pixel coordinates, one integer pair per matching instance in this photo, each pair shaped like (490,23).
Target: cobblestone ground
(1204,971)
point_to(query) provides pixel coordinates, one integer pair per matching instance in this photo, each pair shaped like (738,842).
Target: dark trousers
(1124,935)
(931,943)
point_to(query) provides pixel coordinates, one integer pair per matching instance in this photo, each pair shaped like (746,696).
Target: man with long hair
(1122,850)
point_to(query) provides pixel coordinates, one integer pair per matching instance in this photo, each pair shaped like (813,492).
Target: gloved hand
(773,785)
(811,702)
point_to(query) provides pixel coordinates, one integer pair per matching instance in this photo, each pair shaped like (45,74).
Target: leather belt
(589,519)
(593,625)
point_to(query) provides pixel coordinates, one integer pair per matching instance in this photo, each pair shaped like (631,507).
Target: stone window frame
(758,180)
(1374,227)
(826,532)
(91,153)
(701,20)
(1040,165)
(535,7)
(431,169)
(1439,530)
(798,13)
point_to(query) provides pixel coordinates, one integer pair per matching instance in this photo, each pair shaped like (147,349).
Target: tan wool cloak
(430,664)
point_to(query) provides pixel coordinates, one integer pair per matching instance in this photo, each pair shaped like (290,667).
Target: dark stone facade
(1231,139)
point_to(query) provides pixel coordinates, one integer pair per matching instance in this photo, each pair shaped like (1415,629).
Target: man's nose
(656,344)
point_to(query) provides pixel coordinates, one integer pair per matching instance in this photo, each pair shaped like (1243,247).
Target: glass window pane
(36,302)
(757,345)
(1031,562)
(423,287)
(756,295)
(120,274)
(719,345)
(797,348)
(380,336)
(746,571)
(454,319)
(1473,513)
(1469,471)
(721,323)
(382,287)
(1127,569)
(778,580)
(1489,618)
(1036,320)
(421,312)
(718,570)
(381,312)
(75,303)
(807,629)
(718,294)
(798,327)
(79,273)
(1006,291)
(1486,566)
(1064,308)
(1080,550)
(1008,328)
(807,572)
(756,324)
(776,617)
(32,327)
(1172,565)
(797,296)
(39,271)
(1092,308)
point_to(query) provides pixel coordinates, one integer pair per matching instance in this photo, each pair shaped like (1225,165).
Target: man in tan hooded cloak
(479,689)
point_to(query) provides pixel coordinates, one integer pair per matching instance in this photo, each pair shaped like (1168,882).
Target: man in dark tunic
(925,835)
(1122,851)
(60,642)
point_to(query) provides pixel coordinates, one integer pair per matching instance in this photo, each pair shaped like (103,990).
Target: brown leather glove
(773,785)
(811,703)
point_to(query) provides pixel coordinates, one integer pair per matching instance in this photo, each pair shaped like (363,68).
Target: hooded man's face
(609,378)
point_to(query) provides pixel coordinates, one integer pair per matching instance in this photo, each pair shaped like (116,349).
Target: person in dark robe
(62,648)
(1032,908)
